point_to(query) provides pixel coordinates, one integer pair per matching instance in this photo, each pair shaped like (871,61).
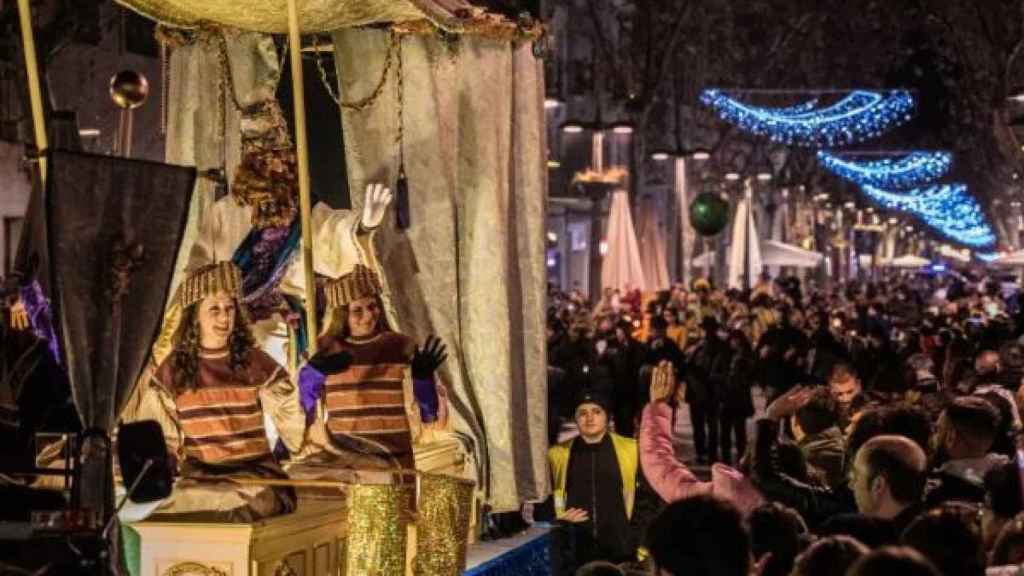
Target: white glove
(375,205)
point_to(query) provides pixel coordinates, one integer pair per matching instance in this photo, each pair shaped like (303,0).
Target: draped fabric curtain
(114,226)
(652,247)
(470,269)
(203,123)
(622,268)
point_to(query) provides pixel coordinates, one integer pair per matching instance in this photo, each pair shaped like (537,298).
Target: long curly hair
(185,357)
(267,180)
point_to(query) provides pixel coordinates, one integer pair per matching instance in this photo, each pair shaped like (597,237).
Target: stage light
(732,176)
(602,248)
(859,116)
(701,155)
(554,164)
(550,103)
(897,173)
(764,176)
(89,132)
(660,156)
(849,205)
(572,128)
(552,237)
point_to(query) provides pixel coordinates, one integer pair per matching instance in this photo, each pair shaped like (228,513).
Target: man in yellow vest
(595,479)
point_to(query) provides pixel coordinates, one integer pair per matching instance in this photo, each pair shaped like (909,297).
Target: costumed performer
(210,395)
(257,226)
(355,390)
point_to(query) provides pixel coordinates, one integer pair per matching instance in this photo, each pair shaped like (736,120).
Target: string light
(948,208)
(897,173)
(858,116)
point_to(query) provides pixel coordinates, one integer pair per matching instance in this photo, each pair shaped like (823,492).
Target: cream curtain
(471,267)
(203,124)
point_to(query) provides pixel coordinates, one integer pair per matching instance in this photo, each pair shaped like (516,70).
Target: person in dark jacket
(962,441)
(816,431)
(624,359)
(782,351)
(737,404)
(705,382)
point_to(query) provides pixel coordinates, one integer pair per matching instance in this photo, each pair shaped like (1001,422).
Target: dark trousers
(733,426)
(705,429)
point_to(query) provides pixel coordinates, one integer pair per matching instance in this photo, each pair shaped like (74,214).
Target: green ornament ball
(709,214)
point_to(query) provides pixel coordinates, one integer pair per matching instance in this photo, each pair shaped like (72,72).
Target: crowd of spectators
(888,440)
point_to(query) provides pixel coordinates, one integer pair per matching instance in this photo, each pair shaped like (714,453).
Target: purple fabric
(426,396)
(311,389)
(262,279)
(40,316)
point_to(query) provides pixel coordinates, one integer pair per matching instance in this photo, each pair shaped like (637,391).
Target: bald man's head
(987,362)
(888,475)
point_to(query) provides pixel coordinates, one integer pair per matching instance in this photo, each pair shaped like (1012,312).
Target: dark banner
(114,226)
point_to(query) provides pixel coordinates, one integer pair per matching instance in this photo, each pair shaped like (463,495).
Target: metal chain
(400,97)
(165,88)
(362,103)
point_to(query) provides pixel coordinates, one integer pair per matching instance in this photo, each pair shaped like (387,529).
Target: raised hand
(19,316)
(375,204)
(786,405)
(663,382)
(427,358)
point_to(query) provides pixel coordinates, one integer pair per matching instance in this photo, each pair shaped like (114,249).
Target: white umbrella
(622,268)
(775,253)
(652,247)
(1010,260)
(962,256)
(909,261)
(742,263)
(705,260)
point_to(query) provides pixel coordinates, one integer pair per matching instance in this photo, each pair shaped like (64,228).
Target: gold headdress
(209,280)
(360,283)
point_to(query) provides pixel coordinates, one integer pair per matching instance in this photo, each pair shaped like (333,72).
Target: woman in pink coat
(669,477)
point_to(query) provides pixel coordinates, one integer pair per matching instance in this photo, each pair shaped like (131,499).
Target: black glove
(426,359)
(328,364)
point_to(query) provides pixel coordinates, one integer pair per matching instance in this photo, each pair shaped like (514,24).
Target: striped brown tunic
(367,401)
(221,419)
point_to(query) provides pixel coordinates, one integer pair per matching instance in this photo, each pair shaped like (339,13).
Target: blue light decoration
(860,115)
(948,208)
(986,256)
(909,170)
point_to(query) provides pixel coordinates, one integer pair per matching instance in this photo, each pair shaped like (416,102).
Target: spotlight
(732,176)
(660,155)
(550,103)
(701,155)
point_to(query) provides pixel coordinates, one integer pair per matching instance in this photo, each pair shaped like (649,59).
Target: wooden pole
(302,155)
(35,93)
